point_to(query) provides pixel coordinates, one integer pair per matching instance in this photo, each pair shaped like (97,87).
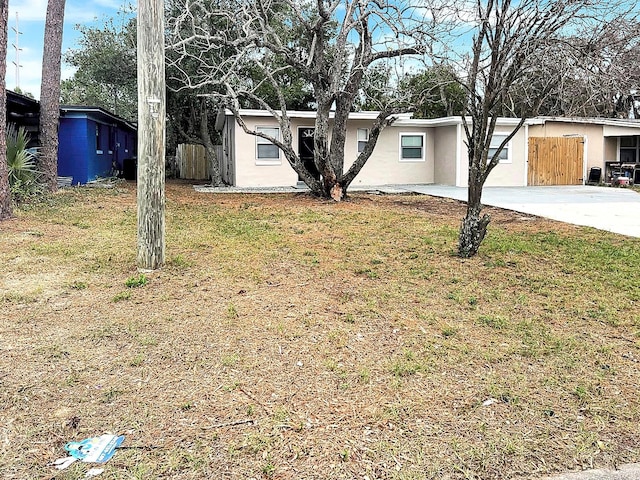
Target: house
(24,112)
(94,143)
(545,151)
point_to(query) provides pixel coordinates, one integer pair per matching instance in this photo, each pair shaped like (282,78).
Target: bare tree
(333,45)
(191,117)
(50,93)
(5,192)
(508,39)
(592,73)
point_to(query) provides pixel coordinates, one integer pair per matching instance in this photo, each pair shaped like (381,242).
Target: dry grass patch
(293,338)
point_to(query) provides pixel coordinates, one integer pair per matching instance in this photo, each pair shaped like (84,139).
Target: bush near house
(22,164)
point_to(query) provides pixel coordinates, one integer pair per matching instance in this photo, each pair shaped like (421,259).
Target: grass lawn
(291,338)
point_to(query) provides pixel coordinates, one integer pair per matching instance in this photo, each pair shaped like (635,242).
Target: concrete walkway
(612,209)
(624,472)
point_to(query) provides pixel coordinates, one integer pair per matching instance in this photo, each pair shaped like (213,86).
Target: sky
(31,16)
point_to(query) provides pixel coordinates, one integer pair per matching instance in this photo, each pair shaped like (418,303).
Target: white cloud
(75,11)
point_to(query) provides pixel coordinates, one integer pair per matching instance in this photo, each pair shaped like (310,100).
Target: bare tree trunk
(209,147)
(50,93)
(5,192)
(151,134)
(474,227)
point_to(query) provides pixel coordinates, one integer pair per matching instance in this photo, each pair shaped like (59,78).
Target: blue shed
(93,143)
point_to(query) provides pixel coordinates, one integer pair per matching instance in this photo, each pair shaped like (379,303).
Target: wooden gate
(556,161)
(191,162)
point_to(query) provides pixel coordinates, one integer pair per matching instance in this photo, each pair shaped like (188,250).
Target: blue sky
(31,14)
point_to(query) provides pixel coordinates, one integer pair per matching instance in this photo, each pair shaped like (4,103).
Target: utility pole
(17,48)
(151,135)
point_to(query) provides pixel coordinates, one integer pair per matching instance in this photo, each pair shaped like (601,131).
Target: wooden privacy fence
(556,160)
(191,161)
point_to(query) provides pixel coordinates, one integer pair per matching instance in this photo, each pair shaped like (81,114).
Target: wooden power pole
(151,134)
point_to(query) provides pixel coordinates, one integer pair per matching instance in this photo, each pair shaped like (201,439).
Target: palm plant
(21,162)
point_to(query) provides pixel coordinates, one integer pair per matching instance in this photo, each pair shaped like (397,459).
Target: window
(98,139)
(412,147)
(629,150)
(496,141)
(363,138)
(266,152)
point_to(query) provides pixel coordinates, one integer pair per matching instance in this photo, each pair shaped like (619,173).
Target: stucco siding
(248,173)
(384,166)
(445,155)
(513,173)
(595,144)
(610,150)
(508,174)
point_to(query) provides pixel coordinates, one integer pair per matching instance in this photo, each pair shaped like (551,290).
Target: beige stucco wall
(610,149)
(595,144)
(511,174)
(247,172)
(383,167)
(445,155)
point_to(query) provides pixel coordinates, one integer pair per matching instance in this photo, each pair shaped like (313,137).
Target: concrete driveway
(611,209)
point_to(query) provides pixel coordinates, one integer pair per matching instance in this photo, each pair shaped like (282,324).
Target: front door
(305,150)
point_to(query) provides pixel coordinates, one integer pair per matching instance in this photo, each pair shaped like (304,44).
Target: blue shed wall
(84,155)
(99,159)
(73,149)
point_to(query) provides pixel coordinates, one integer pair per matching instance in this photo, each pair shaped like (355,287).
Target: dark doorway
(305,150)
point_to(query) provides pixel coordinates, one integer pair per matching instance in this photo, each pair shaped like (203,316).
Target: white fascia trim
(369,115)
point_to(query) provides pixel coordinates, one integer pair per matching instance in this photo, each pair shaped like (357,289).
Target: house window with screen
(412,147)
(363,138)
(266,152)
(505,154)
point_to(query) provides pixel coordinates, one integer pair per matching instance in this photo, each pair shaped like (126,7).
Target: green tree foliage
(106,68)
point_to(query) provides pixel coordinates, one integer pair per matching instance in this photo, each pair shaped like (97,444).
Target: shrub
(22,165)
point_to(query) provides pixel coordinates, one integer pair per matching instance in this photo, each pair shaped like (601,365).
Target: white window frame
(359,141)
(264,141)
(507,148)
(424,147)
